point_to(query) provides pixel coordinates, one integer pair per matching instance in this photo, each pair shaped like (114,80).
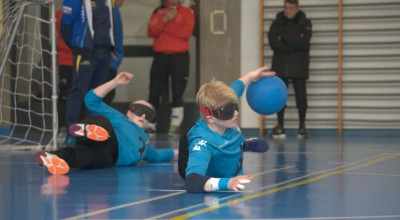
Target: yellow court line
(224,198)
(339,171)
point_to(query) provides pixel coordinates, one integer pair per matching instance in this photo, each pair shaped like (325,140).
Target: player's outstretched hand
(123,78)
(255,75)
(259,73)
(236,183)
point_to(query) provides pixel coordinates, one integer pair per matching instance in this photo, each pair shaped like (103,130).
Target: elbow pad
(195,183)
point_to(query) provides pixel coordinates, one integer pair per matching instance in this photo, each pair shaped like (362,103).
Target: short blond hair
(215,94)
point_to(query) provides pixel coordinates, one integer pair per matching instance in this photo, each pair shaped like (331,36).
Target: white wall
(249,55)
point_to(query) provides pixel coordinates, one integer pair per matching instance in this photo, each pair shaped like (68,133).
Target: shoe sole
(54,164)
(93,132)
(303,136)
(279,136)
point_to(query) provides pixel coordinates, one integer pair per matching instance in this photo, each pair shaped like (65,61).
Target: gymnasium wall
(371,54)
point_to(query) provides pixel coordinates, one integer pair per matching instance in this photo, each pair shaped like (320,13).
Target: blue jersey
(132,140)
(215,155)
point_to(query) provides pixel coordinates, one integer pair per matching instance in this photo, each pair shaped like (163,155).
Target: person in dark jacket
(289,37)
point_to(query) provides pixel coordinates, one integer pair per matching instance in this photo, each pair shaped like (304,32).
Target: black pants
(65,79)
(110,95)
(90,154)
(163,66)
(87,73)
(300,93)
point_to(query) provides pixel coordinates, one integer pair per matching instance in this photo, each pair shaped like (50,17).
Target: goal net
(28,115)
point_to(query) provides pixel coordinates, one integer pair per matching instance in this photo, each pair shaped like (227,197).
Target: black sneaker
(303,132)
(278,132)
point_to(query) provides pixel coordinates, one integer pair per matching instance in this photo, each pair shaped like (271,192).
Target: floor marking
(228,191)
(167,190)
(374,174)
(323,176)
(278,184)
(224,198)
(124,206)
(183,190)
(346,217)
(272,171)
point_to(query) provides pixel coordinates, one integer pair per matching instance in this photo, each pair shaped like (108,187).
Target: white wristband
(214,184)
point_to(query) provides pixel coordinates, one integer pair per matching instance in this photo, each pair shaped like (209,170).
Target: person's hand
(176,154)
(171,14)
(259,73)
(123,78)
(236,183)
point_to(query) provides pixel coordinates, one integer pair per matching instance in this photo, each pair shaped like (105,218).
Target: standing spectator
(87,28)
(289,37)
(65,63)
(171,26)
(116,59)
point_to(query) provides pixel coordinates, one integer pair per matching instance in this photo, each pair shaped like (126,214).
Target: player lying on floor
(108,137)
(211,154)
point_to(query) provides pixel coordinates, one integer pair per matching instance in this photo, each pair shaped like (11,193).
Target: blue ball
(267,96)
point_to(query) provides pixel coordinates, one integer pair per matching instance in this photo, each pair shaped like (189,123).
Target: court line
(323,176)
(277,184)
(146,200)
(224,198)
(123,206)
(229,191)
(374,174)
(333,218)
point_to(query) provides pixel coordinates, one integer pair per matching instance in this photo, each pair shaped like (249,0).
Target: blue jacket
(131,138)
(77,25)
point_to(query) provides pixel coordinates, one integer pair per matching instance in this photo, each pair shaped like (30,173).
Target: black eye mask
(224,112)
(139,110)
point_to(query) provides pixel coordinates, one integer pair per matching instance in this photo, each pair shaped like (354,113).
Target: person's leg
(89,153)
(301,103)
(158,82)
(82,74)
(278,132)
(65,78)
(179,77)
(110,96)
(158,79)
(301,98)
(101,59)
(281,113)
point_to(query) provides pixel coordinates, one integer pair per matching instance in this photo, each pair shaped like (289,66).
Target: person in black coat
(289,37)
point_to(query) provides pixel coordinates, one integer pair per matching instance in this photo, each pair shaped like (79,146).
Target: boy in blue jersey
(109,137)
(211,155)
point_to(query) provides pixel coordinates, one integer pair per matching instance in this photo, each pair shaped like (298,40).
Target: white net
(27,89)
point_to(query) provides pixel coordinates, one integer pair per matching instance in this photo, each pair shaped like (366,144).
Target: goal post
(28,79)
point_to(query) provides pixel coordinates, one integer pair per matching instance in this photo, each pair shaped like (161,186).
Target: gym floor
(323,177)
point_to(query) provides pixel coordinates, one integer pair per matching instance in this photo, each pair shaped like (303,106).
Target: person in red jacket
(171,26)
(65,63)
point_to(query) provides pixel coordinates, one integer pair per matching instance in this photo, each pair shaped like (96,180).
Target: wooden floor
(324,177)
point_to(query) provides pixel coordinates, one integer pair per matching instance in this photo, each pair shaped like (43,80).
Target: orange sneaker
(90,131)
(54,164)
